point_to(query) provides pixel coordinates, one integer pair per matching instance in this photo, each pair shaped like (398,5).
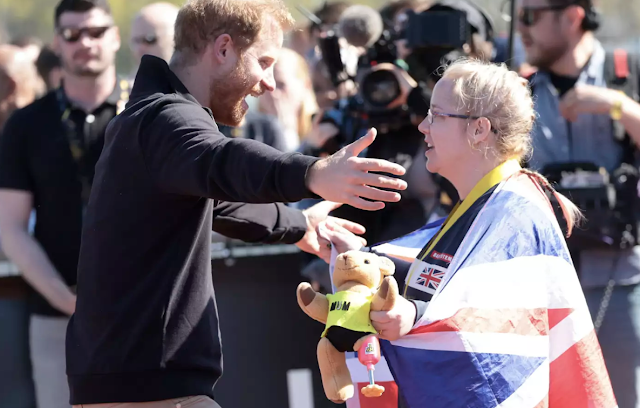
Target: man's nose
(85,39)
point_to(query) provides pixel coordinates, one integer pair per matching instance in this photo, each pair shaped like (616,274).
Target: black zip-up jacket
(146,324)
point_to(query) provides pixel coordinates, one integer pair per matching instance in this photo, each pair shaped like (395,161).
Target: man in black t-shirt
(48,151)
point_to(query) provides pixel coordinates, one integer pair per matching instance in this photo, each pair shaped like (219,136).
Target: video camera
(609,203)
(431,34)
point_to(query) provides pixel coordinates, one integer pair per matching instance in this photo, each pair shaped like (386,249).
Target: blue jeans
(619,338)
(16,384)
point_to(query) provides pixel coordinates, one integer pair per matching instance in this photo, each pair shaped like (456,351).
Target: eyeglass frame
(456,116)
(549,7)
(81,31)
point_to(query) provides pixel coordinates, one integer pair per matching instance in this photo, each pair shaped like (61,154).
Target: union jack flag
(508,325)
(430,278)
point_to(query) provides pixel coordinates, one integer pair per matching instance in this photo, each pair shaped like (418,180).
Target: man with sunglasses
(48,151)
(577,121)
(152,32)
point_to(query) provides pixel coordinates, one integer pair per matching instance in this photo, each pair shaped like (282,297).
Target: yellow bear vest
(349,310)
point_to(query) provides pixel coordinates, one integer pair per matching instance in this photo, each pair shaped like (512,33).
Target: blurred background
(20,18)
(308,112)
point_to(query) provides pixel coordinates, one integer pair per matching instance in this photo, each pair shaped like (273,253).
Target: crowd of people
(59,100)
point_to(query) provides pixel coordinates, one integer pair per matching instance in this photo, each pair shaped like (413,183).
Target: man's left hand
(315,215)
(588,99)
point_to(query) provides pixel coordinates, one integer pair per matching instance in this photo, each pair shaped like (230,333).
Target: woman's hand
(395,323)
(317,214)
(342,239)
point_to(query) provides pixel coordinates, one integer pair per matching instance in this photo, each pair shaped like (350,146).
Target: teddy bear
(363,283)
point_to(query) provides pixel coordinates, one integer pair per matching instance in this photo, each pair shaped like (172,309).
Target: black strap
(627,84)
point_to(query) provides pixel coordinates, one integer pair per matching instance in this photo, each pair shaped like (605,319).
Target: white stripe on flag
(525,282)
(300,388)
(569,331)
(534,389)
(492,343)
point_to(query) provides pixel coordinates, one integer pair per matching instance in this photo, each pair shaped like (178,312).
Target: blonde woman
(492,314)
(293,101)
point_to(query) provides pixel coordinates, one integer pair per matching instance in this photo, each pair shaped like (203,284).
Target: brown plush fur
(359,272)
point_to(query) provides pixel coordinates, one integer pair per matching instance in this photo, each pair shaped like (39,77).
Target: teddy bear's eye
(367,261)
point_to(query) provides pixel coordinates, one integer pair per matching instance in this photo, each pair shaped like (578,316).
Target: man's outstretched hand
(315,215)
(344,177)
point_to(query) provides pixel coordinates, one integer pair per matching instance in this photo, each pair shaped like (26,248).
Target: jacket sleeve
(265,223)
(421,308)
(186,154)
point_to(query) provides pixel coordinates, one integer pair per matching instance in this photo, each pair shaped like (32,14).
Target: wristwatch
(616,108)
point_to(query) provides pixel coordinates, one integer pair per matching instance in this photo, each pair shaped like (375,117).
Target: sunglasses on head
(528,16)
(73,34)
(150,39)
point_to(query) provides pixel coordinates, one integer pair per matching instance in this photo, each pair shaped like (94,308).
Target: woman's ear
(480,130)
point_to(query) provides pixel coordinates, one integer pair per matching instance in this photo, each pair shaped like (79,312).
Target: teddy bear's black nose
(367,261)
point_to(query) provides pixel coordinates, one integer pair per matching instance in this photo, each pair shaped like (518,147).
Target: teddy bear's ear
(387,267)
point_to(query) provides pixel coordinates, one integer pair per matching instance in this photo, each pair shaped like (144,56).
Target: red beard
(227,95)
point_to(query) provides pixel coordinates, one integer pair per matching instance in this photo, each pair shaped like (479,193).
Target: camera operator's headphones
(592,18)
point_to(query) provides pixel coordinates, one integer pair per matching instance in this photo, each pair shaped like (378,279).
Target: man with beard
(48,151)
(145,331)
(577,117)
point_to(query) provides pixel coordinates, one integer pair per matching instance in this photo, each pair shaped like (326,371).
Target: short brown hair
(200,22)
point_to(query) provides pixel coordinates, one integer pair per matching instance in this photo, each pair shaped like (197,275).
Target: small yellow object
(372,390)
(616,109)
(349,310)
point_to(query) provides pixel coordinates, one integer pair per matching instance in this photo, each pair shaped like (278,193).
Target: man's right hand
(344,177)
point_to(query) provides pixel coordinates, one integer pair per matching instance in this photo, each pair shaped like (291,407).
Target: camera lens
(380,88)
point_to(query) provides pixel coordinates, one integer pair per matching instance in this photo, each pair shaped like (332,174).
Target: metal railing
(227,250)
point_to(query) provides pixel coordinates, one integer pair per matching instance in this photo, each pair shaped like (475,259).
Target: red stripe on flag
(389,399)
(558,315)
(578,378)
(525,322)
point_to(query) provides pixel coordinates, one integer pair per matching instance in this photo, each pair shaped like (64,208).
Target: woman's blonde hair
(503,97)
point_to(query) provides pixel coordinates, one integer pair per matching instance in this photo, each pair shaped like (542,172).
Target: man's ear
(387,267)
(117,42)
(575,15)
(223,49)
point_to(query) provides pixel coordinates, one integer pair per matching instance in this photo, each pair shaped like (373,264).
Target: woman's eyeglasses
(529,16)
(150,39)
(431,114)
(72,34)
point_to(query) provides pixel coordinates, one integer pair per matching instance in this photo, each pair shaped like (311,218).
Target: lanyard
(491,179)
